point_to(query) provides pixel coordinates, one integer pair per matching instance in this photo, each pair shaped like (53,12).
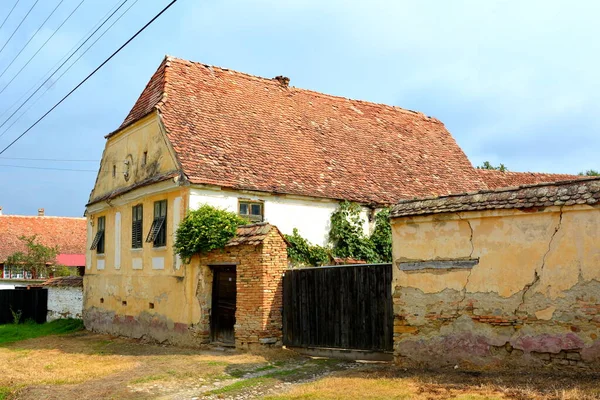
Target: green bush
(205,229)
(302,253)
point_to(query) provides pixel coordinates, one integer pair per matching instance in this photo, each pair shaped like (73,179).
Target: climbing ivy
(347,236)
(302,253)
(205,229)
(382,235)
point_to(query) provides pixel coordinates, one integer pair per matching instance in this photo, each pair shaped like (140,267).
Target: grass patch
(253,382)
(4,392)
(10,333)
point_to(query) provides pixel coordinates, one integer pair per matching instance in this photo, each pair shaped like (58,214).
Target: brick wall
(259,271)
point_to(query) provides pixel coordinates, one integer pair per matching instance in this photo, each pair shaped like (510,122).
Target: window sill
(100,255)
(160,248)
(137,250)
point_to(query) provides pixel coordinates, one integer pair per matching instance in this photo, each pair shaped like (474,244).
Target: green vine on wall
(302,253)
(205,229)
(346,239)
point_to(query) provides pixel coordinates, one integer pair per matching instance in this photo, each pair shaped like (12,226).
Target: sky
(514,82)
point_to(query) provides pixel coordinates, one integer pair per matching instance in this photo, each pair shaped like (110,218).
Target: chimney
(283,80)
(0,210)
(40,212)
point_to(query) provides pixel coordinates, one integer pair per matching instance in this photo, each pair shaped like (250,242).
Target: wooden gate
(32,304)
(347,307)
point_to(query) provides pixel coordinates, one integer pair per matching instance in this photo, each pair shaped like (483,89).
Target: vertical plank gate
(32,304)
(347,307)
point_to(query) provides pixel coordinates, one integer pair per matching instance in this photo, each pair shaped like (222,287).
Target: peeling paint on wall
(533,298)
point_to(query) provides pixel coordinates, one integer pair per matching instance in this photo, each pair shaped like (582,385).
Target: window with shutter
(158,230)
(98,242)
(137,226)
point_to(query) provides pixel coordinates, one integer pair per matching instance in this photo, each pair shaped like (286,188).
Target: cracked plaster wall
(533,297)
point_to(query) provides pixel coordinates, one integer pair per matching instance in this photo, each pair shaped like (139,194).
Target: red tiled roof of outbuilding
(240,131)
(69,234)
(498,179)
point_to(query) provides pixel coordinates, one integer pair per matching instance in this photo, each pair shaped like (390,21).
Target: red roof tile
(497,179)
(240,131)
(69,234)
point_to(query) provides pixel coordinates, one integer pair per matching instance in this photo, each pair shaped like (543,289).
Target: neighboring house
(65,232)
(256,146)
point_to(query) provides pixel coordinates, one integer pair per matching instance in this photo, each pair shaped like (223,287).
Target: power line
(46,159)
(38,50)
(18,26)
(72,54)
(31,38)
(9,14)
(90,75)
(65,71)
(49,168)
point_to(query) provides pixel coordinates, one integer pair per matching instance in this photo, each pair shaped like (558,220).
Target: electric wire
(143,28)
(49,168)
(18,26)
(31,38)
(59,61)
(66,70)
(64,62)
(48,159)
(9,13)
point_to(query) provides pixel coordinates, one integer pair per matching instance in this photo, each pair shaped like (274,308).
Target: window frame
(137,226)
(98,243)
(253,218)
(158,231)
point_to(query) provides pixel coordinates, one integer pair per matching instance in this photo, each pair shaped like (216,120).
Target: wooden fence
(347,307)
(33,304)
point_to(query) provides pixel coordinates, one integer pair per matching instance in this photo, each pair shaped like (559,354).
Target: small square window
(251,210)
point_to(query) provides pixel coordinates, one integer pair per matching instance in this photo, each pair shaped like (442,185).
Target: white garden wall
(65,302)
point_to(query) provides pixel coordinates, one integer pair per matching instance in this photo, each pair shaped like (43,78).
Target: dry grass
(377,382)
(90,366)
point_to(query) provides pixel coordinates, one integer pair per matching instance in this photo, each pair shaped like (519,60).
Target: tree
(488,165)
(37,259)
(589,172)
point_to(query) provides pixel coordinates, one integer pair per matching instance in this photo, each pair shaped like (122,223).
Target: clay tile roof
(69,234)
(565,193)
(497,179)
(65,281)
(240,131)
(253,234)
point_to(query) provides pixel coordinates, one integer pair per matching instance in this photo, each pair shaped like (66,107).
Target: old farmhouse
(280,156)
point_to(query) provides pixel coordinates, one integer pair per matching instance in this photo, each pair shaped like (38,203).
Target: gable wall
(125,151)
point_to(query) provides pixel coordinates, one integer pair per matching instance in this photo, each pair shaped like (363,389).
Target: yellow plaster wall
(511,246)
(129,145)
(171,289)
(533,298)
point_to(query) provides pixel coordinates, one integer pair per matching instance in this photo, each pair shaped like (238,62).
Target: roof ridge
(522,172)
(503,189)
(313,92)
(40,216)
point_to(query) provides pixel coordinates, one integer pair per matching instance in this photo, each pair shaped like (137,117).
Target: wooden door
(223,305)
